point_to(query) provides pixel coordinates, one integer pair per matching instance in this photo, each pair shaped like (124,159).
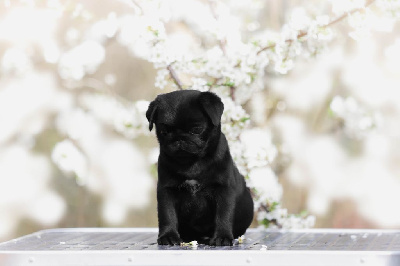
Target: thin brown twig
(175,77)
(303,33)
(135,3)
(349,13)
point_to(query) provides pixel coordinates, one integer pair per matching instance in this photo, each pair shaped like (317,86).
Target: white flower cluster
(234,119)
(340,7)
(161,78)
(259,148)
(200,84)
(357,121)
(307,38)
(28,194)
(390,7)
(15,62)
(81,60)
(127,119)
(265,185)
(279,218)
(267,195)
(70,160)
(192,244)
(234,69)
(361,25)
(364,19)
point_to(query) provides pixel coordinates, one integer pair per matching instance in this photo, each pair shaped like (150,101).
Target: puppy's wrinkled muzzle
(182,148)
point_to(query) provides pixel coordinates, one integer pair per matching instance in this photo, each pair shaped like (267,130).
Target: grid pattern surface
(255,240)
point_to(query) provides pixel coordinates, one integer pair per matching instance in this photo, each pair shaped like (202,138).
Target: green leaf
(265,222)
(252,77)
(303,213)
(244,119)
(228,84)
(273,206)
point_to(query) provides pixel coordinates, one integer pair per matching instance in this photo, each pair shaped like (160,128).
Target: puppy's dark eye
(164,130)
(196,130)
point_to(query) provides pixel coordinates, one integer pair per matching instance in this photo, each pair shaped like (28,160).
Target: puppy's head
(186,122)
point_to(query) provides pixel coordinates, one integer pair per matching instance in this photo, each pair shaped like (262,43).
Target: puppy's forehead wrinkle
(168,112)
(180,110)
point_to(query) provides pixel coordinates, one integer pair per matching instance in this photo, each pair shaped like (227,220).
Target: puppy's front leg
(167,218)
(225,206)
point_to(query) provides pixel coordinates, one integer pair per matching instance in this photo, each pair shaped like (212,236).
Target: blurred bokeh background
(74,146)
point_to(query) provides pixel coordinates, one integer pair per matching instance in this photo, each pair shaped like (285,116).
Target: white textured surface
(131,246)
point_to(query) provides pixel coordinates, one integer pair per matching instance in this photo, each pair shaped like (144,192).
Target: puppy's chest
(191,186)
(194,200)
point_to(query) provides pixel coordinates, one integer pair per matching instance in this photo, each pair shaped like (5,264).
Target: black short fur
(200,193)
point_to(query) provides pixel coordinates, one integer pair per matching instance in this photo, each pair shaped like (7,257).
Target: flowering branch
(135,3)
(222,45)
(221,42)
(304,33)
(175,77)
(170,69)
(349,13)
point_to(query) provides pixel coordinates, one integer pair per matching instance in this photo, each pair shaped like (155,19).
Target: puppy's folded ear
(212,105)
(151,113)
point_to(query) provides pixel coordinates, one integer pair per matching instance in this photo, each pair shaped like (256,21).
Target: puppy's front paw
(221,241)
(169,239)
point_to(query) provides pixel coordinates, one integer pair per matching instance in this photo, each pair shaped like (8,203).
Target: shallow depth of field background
(335,120)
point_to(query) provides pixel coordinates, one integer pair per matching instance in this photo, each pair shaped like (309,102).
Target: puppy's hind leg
(244,213)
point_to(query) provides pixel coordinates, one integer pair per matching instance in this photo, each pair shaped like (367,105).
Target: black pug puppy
(200,193)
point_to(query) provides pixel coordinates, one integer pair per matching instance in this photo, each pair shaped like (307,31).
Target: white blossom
(299,20)
(199,84)
(28,194)
(266,184)
(358,122)
(47,208)
(103,29)
(360,22)
(161,78)
(15,62)
(234,119)
(390,7)
(259,150)
(340,7)
(76,124)
(81,60)
(127,119)
(71,160)
(392,57)
(283,66)
(193,244)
